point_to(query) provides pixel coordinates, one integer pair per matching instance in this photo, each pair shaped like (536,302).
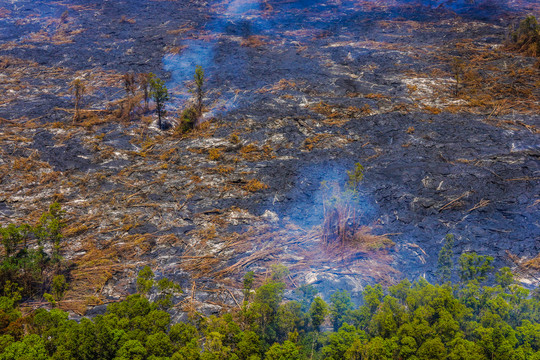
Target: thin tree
(160,94)
(144,83)
(129,84)
(198,91)
(445,263)
(77,89)
(130,87)
(458,69)
(317,314)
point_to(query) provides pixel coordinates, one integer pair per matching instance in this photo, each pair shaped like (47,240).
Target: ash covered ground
(297,93)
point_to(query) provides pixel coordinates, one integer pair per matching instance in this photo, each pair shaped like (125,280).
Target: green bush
(188,119)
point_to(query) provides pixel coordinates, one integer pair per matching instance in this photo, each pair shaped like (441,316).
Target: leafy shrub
(188,119)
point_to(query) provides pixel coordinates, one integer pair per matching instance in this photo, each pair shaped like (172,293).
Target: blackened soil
(293,76)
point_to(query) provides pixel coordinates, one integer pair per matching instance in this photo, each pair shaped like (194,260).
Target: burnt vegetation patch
(208,140)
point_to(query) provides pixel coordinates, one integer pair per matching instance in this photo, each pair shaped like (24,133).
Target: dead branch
(448,205)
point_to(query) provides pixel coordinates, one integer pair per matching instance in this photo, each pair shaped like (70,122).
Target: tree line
(468,319)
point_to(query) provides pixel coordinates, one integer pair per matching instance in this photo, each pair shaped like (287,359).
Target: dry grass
(254,41)
(252,152)
(4,13)
(490,79)
(223,170)
(215,154)
(254,185)
(377,96)
(325,109)
(311,142)
(234,138)
(367,241)
(93,271)
(281,85)
(533,264)
(337,115)
(108,204)
(125,20)
(432,109)
(181,30)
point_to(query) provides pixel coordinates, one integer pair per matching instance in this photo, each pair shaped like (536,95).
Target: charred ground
(310,89)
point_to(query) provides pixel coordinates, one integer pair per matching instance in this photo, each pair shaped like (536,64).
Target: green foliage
(340,342)
(59,286)
(249,346)
(270,295)
(165,288)
(25,261)
(145,280)
(526,38)
(51,224)
(290,318)
(266,305)
(188,119)
(159,345)
(307,293)
(10,318)
(132,307)
(191,114)
(432,349)
(445,263)
(287,351)
(160,94)
(474,267)
(504,277)
(408,321)
(12,291)
(198,91)
(355,176)
(340,307)
(12,237)
(131,350)
(373,296)
(279,272)
(249,278)
(214,348)
(30,348)
(317,313)
(50,299)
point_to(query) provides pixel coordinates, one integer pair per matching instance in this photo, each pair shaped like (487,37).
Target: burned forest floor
(297,93)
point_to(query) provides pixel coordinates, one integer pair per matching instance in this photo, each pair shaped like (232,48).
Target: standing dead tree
(344,212)
(341,210)
(77,89)
(340,218)
(458,70)
(144,83)
(129,104)
(129,84)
